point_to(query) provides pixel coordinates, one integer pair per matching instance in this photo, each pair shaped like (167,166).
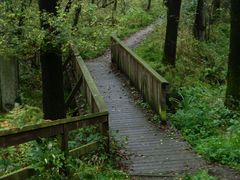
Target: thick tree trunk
(233,77)
(199,29)
(52,74)
(171,32)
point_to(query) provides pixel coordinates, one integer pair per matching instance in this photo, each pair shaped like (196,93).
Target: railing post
(104,128)
(163,113)
(64,147)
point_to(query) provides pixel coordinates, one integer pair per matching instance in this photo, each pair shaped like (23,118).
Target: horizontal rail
(151,85)
(97,97)
(49,129)
(23,173)
(140,61)
(85,149)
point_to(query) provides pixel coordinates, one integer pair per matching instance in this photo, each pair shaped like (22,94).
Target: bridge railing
(152,86)
(98,115)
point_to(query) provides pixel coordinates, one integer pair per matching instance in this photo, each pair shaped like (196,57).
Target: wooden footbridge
(153,152)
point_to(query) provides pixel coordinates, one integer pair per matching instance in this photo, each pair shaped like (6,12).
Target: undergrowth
(198,90)
(45,156)
(93,33)
(199,175)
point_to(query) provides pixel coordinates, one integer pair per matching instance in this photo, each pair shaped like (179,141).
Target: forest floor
(131,123)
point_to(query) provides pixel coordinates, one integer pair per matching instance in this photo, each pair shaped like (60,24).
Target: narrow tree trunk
(149,5)
(233,77)
(76,16)
(52,74)
(172,31)
(8,83)
(114,11)
(199,29)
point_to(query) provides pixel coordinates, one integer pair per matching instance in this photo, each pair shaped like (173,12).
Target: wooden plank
(51,123)
(80,151)
(18,136)
(69,57)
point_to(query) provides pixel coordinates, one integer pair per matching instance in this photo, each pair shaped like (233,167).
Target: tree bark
(199,29)
(52,74)
(171,32)
(233,78)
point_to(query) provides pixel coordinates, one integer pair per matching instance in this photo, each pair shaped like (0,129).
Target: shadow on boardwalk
(154,153)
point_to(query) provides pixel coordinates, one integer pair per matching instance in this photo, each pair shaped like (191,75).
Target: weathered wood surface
(152,86)
(77,71)
(98,107)
(48,129)
(94,98)
(152,150)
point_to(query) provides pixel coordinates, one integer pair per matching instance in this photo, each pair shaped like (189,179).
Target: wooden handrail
(99,116)
(48,129)
(97,97)
(152,85)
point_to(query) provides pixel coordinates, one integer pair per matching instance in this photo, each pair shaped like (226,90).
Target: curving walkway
(153,152)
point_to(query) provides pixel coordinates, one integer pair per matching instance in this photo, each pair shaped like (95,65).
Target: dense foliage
(22,38)
(198,87)
(198,82)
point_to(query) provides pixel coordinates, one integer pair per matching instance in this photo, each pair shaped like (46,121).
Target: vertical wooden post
(170,45)
(163,113)
(104,128)
(113,51)
(63,142)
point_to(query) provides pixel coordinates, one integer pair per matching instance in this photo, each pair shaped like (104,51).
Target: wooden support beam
(73,92)
(85,149)
(66,62)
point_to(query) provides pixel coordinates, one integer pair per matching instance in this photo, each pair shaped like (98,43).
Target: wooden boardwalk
(153,152)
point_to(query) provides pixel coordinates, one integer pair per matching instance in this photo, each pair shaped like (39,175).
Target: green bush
(208,125)
(199,175)
(197,90)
